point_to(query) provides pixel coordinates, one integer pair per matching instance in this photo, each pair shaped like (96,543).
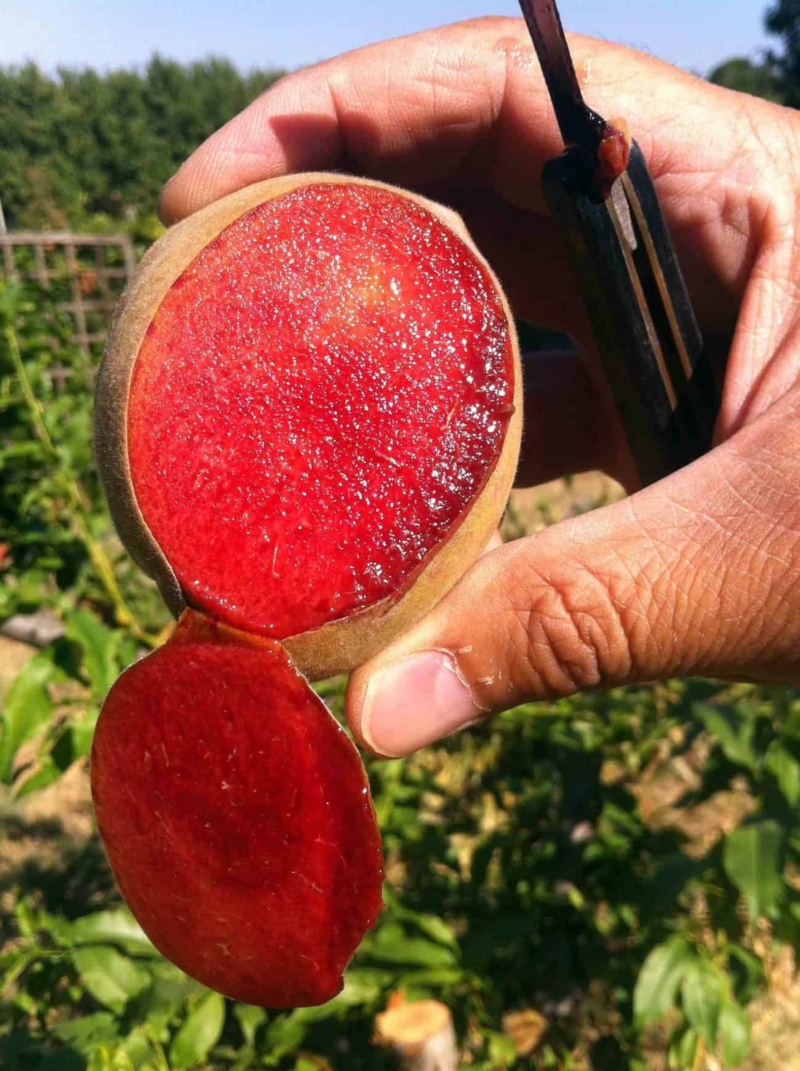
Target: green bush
(521,872)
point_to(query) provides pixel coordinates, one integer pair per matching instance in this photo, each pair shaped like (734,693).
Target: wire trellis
(86,273)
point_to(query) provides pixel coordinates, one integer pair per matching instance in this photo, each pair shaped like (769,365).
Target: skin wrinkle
(730,534)
(542,675)
(481,160)
(627,620)
(763,633)
(344,152)
(755,566)
(755,135)
(659,594)
(770,479)
(765,386)
(749,361)
(770,537)
(441,81)
(582,607)
(679,573)
(570,672)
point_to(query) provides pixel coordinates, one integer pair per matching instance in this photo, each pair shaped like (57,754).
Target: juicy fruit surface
(319,398)
(237,819)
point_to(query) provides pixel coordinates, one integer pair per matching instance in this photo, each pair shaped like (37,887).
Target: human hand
(698,574)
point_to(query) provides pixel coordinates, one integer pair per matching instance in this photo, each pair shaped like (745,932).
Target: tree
(85,144)
(783,21)
(741,74)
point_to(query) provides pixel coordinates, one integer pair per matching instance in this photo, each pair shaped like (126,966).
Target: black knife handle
(644,326)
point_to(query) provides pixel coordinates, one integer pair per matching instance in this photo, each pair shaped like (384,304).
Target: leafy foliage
(57,547)
(776,75)
(521,874)
(783,20)
(83,145)
(745,76)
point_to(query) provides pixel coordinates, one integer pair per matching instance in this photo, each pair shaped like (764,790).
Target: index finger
(467,99)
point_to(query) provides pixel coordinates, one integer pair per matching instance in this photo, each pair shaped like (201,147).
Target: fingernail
(413,702)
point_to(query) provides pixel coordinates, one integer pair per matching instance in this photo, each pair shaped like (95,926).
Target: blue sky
(695,34)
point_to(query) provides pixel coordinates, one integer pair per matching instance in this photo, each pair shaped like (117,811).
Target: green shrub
(526,868)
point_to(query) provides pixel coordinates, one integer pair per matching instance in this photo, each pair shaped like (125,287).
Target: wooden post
(420,1035)
(77,307)
(128,255)
(9,265)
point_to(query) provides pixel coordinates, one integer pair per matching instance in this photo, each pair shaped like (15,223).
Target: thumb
(699,574)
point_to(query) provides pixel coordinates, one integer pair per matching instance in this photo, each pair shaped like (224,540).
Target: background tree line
(89,150)
(776,75)
(82,149)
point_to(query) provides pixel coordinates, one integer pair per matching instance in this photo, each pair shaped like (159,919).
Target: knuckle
(570,634)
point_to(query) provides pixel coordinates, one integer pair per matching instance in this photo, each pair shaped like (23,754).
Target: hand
(698,574)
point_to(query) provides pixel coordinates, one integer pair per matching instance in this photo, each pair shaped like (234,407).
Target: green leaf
(76,741)
(29,920)
(683,1053)
(751,977)
(434,977)
(117,927)
(99,645)
(363,986)
(138,1048)
(27,709)
(392,945)
(500,1048)
(200,1032)
(430,925)
(792,726)
(81,734)
(702,993)
(734,1032)
(786,771)
(302,1063)
(753,860)
(249,1019)
(286,1033)
(659,980)
(437,929)
(733,733)
(84,1033)
(111,978)
(158,1005)
(47,773)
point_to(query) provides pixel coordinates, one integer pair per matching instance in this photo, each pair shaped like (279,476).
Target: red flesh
(236,816)
(319,398)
